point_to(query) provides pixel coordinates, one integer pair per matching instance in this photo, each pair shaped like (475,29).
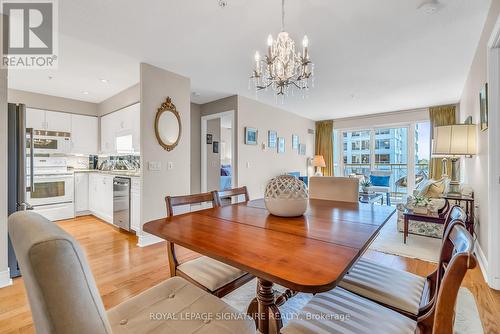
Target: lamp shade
(318,161)
(454,140)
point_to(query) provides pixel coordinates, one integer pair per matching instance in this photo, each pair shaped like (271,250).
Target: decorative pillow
(380,181)
(434,188)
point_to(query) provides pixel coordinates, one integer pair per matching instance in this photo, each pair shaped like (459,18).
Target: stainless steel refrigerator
(20,148)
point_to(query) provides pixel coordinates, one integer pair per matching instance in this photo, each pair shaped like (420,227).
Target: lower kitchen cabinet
(101,196)
(135,205)
(81,193)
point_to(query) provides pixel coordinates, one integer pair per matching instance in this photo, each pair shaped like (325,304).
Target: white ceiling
(370,56)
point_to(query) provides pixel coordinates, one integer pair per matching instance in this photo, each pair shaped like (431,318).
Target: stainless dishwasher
(121,203)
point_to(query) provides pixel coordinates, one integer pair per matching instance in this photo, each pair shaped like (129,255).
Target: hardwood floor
(122,269)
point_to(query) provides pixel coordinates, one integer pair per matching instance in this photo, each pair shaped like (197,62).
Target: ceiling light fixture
(283,68)
(85,93)
(430,6)
(104,80)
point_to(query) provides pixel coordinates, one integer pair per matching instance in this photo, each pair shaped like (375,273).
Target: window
(345,146)
(382,158)
(383,132)
(383,144)
(124,144)
(356,159)
(365,145)
(365,158)
(355,146)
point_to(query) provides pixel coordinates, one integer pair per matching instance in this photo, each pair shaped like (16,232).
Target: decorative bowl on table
(286,196)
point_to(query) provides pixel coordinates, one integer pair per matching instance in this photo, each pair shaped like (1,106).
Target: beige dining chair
(402,291)
(64,298)
(208,274)
(340,310)
(332,188)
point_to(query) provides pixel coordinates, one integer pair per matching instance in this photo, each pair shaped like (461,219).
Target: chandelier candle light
(282,66)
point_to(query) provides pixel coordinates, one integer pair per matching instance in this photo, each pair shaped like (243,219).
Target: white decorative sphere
(286,196)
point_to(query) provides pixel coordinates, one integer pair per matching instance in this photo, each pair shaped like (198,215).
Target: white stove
(53,188)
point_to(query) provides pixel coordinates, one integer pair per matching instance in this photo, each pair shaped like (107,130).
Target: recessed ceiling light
(430,6)
(103,80)
(85,92)
(50,77)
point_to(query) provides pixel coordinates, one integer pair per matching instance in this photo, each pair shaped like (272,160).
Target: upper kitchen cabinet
(35,119)
(120,130)
(58,121)
(84,134)
(48,120)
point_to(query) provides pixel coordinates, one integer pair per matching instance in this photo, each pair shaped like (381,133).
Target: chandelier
(282,67)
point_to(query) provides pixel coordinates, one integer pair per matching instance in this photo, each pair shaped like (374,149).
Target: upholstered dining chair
(211,275)
(231,193)
(332,188)
(64,298)
(402,291)
(340,310)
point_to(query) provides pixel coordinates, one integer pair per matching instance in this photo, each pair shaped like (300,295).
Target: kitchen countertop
(109,172)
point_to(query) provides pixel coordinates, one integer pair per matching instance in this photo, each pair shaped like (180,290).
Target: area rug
(390,241)
(467,319)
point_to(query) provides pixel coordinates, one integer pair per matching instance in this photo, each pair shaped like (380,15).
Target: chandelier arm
(282,15)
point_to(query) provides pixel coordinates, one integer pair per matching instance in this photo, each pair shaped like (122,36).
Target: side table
(469,208)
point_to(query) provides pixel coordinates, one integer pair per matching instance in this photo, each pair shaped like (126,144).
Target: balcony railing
(399,176)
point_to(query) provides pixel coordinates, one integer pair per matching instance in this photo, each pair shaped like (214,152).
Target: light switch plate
(154,165)
(170,165)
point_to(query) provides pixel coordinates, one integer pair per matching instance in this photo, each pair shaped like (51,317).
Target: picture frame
(209,139)
(215,147)
(272,138)
(251,136)
(483,107)
(281,145)
(295,142)
(302,149)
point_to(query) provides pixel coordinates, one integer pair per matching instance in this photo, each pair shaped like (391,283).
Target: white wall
(213,159)
(195,148)
(477,167)
(266,164)
(119,101)
(53,103)
(156,84)
(384,119)
(4,267)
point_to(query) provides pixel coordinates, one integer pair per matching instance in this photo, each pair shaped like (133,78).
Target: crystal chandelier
(283,68)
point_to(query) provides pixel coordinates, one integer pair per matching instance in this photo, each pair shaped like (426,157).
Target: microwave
(47,142)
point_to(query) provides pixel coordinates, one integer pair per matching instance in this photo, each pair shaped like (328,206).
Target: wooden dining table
(310,253)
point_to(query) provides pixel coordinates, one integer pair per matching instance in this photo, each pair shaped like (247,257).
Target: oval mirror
(168,125)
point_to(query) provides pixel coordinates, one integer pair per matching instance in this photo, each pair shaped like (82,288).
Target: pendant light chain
(282,15)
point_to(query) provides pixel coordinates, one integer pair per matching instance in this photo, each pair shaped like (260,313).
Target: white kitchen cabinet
(58,121)
(121,123)
(135,205)
(101,196)
(84,134)
(48,120)
(81,193)
(35,119)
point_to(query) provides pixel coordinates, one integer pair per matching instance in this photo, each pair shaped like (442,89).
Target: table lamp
(318,161)
(454,141)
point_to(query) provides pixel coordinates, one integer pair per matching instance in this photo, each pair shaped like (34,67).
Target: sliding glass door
(390,151)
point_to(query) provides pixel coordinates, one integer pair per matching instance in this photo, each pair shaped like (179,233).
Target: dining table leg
(264,310)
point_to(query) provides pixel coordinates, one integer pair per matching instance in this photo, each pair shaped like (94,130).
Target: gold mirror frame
(167,106)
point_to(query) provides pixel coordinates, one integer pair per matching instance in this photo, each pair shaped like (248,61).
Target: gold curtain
(324,145)
(439,116)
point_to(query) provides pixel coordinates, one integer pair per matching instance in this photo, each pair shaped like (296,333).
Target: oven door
(51,144)
(51,189)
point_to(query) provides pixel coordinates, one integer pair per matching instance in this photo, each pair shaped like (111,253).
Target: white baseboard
(483,262)
(146,239)
(5,279)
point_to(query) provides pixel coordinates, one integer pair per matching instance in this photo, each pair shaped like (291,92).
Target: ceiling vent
(430,6)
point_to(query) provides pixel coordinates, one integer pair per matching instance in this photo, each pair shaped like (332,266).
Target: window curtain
(439,116)
(324,145)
